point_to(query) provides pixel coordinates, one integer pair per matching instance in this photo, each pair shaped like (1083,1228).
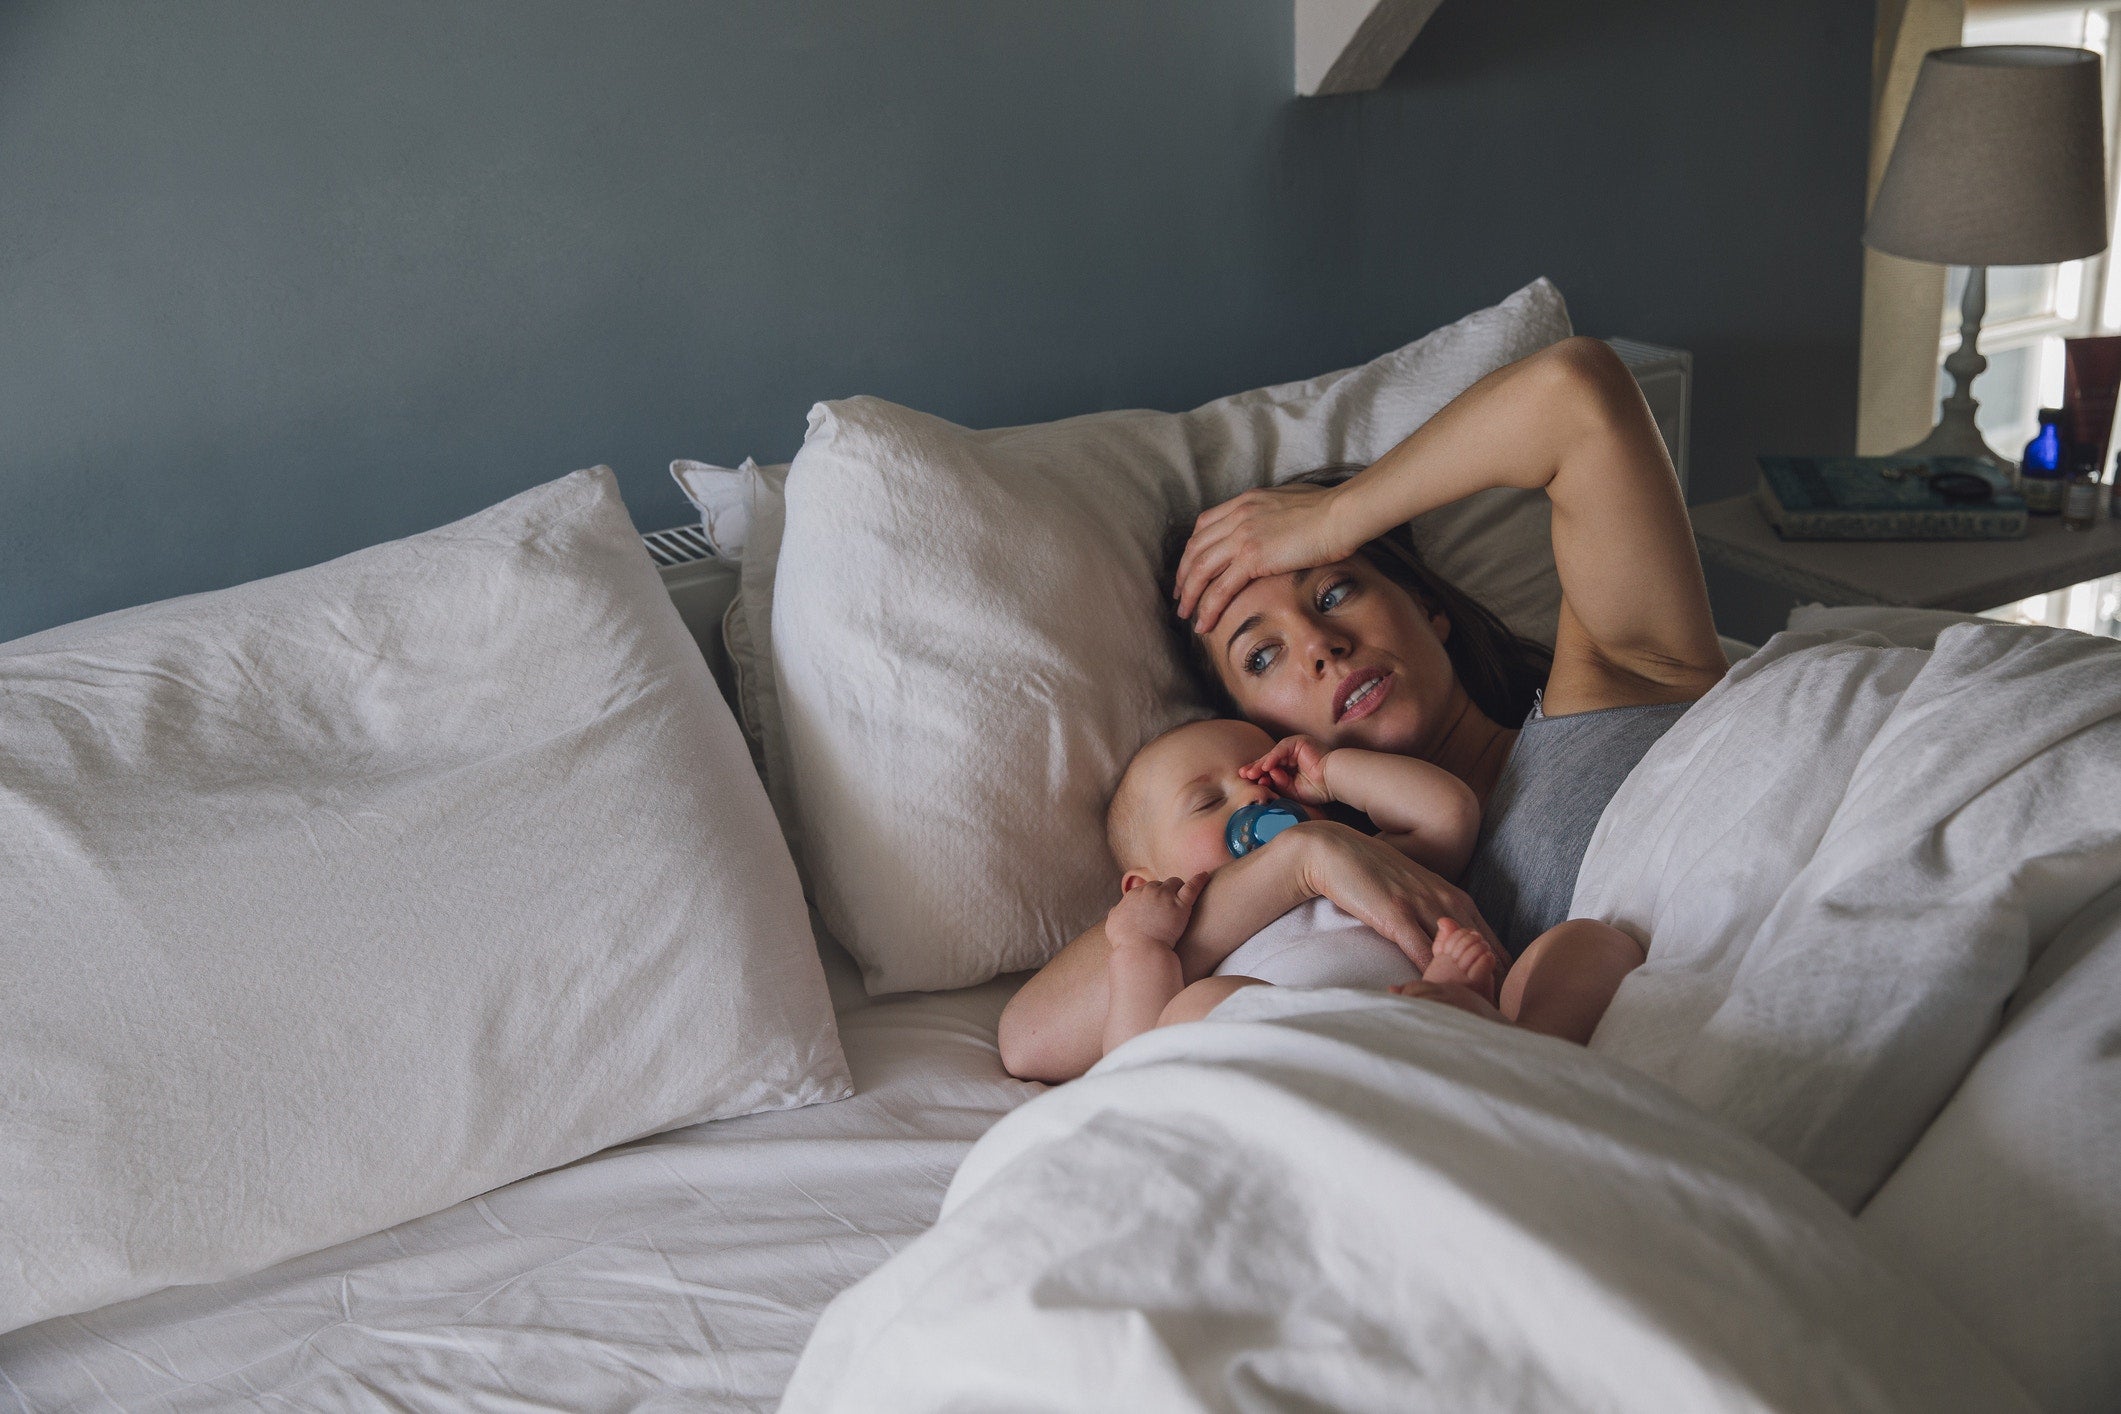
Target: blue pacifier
(1253,825)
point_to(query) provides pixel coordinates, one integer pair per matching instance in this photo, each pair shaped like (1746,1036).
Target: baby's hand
(1154,912)
(1296,768)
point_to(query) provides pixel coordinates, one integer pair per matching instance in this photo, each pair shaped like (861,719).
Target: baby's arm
(1243,897)
(1423,811)
(1143,971)
(1144,980)
(1053,1028)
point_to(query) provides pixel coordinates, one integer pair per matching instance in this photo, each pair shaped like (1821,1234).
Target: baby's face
(1189,788)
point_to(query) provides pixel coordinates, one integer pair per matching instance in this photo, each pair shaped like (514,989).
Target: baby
(1167,827)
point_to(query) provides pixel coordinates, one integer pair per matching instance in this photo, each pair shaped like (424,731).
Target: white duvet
(1845,858)
(1343,1200)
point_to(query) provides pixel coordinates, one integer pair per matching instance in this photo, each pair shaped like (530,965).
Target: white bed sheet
(683,1271)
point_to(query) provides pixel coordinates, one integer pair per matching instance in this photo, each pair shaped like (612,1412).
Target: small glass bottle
(2080,496)
(2041,475)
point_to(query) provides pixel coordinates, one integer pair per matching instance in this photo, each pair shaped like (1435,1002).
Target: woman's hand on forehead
(1274,530)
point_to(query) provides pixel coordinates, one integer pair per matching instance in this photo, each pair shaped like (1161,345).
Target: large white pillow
(333,899)
(2010,1206)
(970,631)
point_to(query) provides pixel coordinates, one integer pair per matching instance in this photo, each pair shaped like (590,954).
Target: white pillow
(970,632)
(331,900)
(719,494)
(2007,1207)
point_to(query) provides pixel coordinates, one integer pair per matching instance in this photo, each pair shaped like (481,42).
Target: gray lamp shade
(2001,160)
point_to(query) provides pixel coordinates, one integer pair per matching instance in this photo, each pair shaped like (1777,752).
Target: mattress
(683,1271)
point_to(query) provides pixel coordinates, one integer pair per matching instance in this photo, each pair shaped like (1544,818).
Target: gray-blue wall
(281,278)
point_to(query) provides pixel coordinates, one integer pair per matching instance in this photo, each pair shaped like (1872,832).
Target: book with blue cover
(1888,498)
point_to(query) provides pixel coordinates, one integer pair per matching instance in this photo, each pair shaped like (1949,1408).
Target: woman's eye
(1261,658)
(1335,594)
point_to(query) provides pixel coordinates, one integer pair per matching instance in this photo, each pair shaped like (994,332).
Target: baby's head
(1177,796)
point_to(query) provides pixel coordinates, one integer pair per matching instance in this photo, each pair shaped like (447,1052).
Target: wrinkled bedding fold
(1845,858)
(1345,1200)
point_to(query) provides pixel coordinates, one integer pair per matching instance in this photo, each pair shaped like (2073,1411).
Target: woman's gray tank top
(1539,818)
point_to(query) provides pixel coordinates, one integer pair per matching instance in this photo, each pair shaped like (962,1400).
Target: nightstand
(1967,575)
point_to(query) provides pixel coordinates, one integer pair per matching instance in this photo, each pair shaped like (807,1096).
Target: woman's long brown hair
(1501,670)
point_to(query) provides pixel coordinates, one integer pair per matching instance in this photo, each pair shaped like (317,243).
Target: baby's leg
(1562,984)
(1203,997)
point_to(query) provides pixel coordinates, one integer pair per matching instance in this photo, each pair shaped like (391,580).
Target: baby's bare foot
(1451,994)
(1461,959)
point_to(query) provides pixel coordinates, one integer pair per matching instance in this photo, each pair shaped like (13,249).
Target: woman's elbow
(1595,406)
(1587,373)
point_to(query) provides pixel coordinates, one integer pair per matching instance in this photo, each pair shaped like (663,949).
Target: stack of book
(1888,498)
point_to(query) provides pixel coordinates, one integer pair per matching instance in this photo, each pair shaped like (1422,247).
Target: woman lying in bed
(1319,619)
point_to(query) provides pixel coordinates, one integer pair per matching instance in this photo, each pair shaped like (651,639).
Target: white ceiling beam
(1348,46)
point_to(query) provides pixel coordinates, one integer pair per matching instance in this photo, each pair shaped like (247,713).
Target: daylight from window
(2033,308)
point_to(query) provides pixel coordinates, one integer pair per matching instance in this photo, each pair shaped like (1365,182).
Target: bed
(1869,1164)
(683,1271)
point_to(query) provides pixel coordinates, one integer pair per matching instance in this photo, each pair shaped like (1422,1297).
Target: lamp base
(1958,437)
(1955,434)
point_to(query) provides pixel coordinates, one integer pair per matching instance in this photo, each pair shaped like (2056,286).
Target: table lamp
(2001,160)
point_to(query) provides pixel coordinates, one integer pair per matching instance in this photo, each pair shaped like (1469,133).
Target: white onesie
(1317,945)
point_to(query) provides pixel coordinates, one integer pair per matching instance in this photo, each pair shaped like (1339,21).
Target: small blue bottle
(2041,477)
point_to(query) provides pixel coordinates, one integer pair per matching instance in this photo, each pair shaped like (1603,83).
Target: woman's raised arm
(1635,623)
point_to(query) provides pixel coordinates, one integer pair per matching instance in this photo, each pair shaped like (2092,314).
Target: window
(2032,308)
(2091,607)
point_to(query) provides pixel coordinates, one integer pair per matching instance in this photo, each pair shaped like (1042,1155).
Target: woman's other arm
(1635,623)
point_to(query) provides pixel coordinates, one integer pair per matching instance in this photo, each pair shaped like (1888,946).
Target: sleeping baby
(1200,794)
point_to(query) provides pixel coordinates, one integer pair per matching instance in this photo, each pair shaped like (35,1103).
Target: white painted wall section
(1348,46)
